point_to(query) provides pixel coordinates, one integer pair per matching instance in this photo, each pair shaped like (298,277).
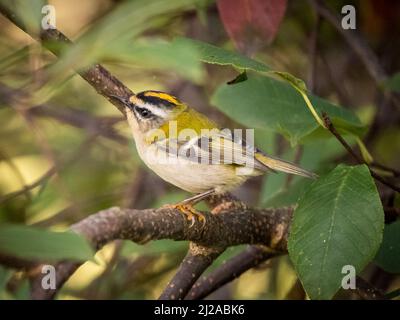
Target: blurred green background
(66,152)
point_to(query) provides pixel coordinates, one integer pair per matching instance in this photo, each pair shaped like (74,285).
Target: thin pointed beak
(124,101)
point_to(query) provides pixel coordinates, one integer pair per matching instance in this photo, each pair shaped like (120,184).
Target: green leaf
(215,55)
(394,82)
(37,244)
(159,54)
(301,88)
(388,257)
(339,221)
(266,103)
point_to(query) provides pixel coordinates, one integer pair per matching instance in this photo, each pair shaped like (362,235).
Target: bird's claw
(190,213)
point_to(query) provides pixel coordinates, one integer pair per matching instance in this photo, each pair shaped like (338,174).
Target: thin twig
(361,48)
(332,129)
(4,156)
(40,181)
(378,165)
(49,173)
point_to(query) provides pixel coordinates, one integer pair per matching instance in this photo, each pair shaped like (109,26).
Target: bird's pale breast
(191,176)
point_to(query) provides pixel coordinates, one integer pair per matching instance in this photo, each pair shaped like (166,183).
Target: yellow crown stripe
(134,99)
(163,96)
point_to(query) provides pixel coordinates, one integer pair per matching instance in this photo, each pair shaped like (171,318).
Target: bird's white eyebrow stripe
(154,110)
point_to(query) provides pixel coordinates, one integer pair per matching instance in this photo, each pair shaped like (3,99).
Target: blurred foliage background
(65,152)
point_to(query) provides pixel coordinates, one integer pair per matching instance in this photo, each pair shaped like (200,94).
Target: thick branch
(232,269)
(267,227)
(197,260)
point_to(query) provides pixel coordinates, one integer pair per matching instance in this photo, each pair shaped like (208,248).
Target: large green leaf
(38,244)
(215,55)
(388,257)
(263,102)
(339,221)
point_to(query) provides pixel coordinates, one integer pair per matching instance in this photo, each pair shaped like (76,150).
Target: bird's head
(151,109)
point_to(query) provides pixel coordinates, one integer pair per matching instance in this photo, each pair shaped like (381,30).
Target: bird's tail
(284,166)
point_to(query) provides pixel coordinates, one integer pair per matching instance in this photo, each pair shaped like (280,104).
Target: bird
(187,149)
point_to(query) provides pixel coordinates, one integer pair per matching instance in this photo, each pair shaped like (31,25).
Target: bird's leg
(187,207)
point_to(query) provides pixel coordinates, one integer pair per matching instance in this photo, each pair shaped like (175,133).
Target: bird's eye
(144,113)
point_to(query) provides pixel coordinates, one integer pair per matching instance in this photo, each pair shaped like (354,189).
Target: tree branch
(329,125)
(197,260)
(232,269)
(268,227)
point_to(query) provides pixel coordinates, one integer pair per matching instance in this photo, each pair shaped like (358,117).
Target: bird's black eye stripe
(155,100)
(143,112)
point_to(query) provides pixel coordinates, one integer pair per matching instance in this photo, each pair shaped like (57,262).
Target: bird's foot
(189,212)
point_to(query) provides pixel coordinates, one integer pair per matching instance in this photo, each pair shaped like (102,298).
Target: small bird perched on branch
(190,151)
